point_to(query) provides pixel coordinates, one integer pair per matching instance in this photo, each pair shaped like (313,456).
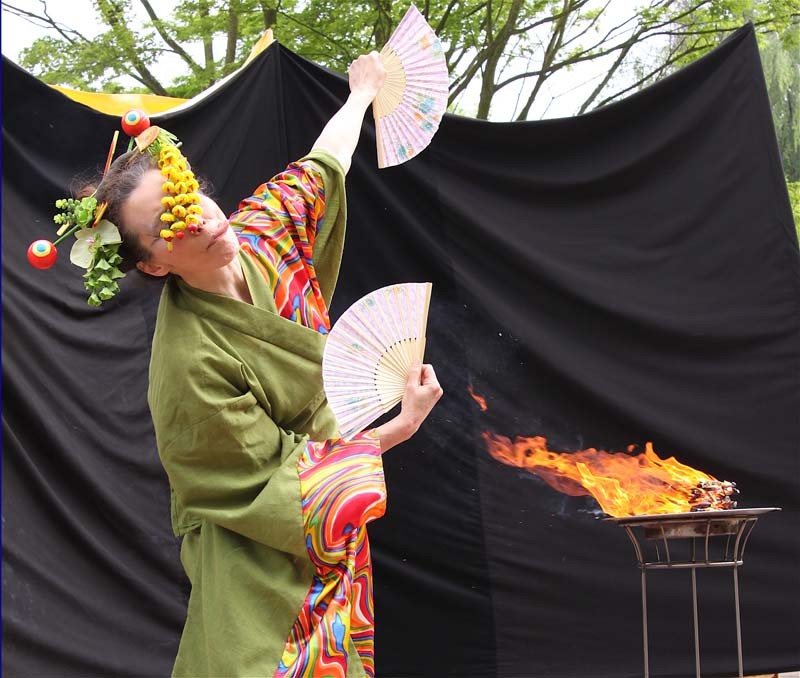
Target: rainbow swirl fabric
(277,226)
(342,489)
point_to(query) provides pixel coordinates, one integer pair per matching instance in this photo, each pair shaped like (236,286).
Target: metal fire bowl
(691,524)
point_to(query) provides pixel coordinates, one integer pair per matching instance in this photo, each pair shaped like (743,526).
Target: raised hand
(422,393)
(366,75)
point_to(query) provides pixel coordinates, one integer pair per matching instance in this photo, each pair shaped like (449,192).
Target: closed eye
(155,231)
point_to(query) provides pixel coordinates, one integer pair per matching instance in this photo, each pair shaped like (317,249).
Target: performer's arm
(340,136)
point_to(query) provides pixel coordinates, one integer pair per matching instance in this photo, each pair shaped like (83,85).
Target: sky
(561,96)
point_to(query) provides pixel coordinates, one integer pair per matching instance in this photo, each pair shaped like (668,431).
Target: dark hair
(115,188)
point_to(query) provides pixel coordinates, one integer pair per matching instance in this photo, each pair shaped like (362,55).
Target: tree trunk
(233,35)
(270,15)
(495,52)
(208,46)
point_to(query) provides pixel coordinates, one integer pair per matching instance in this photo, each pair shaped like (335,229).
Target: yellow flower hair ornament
(181,201)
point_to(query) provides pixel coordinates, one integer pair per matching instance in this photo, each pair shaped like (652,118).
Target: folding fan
(369,351)
(410,105)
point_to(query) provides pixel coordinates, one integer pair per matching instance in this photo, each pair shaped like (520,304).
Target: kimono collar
(259,319)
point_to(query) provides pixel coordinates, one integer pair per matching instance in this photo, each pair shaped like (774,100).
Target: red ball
(42,254)
(134,122)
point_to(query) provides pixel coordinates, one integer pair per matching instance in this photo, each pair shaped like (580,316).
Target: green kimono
(235,394)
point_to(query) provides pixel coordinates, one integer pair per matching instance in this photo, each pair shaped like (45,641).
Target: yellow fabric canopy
(119,104)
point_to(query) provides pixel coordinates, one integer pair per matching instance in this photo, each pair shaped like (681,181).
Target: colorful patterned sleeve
(280,227)
(295,202)
(342,489)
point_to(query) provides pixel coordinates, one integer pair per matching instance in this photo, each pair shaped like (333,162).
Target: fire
(478,399)
(623,484)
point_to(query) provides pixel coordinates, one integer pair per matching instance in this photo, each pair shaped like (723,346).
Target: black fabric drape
(625,276)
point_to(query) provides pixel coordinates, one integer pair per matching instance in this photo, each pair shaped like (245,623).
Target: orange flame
(478,399)
(623,484)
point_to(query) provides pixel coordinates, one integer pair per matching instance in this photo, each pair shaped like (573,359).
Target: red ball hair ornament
(134,122)
(42,254)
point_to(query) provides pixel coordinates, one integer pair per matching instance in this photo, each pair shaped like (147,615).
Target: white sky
(560,97)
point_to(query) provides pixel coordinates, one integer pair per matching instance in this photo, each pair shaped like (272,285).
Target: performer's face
(212,247)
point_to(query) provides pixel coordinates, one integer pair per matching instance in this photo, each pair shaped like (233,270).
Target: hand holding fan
(370,350)
(410,105)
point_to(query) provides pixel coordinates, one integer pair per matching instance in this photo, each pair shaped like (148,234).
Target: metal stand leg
(644,623)
(738,618)
(696,632)
(735,526)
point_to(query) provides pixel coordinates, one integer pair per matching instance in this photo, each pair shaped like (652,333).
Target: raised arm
(340,136)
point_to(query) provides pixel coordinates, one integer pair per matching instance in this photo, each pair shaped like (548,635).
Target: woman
(274,542)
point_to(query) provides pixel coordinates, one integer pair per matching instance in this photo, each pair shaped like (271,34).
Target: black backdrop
(625,276)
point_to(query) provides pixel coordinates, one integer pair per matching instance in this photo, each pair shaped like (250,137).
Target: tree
(70,58)
(493,46)
(781,61)
(780,56)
